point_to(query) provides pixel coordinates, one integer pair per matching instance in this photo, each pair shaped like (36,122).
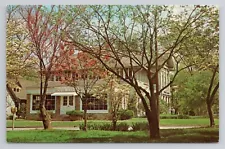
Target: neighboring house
(61,98)
(9,105)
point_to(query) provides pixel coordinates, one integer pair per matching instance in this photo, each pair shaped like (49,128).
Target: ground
(203,134)
(163,122)
(196,135)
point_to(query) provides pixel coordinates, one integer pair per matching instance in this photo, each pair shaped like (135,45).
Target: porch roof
(64,94)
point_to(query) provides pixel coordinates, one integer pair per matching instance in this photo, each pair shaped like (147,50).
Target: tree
(132,35)
(191,92)
(81,71)
(19,62)
(116,91)
(44,26)
(204,55)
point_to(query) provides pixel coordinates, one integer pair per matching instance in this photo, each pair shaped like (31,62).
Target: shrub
(75,113)
(122,127)
(174,117)
(96,126)
(105,126)
(125,114)
(97,116)
(183,117)
(140,126)
(168,116)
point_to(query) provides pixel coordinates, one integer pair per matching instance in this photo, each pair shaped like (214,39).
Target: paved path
(77,128)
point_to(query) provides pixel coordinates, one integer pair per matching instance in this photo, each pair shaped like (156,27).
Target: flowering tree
(116,91)
(19,62)
(44,26)
(82,72)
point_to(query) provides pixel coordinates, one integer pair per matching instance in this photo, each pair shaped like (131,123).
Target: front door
(67,104)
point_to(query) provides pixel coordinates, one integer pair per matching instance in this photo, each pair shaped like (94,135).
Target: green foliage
(105,126)
(97,126)
(164,108)
(183,117)
(140,126)
(125,114)
(196,120)
(191,92)
(198,135)
(122,126)
(174,117)
(75,113)
(168,116)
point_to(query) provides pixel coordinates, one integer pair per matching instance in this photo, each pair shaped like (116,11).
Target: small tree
(116,91)
(44,26)
(81,71)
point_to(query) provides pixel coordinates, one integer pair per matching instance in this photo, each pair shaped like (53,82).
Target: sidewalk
(77,128)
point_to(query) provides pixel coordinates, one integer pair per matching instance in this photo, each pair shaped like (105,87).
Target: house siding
(77,103)
(28,104)
(58,102)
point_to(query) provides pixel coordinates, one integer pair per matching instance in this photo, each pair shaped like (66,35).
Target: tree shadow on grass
(115,139)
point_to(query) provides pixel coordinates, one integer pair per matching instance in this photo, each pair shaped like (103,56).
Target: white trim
(97,111)
(64,94)
(80,104)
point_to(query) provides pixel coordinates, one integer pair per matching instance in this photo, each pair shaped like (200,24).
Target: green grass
(197,135)
(163,122)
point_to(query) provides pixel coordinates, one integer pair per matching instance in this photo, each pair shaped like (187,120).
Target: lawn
(163,122)
(195,135)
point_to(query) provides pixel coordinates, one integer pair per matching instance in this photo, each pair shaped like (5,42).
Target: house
(62,98)
(9,105)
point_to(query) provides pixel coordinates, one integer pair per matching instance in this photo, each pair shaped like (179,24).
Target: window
(52,77)
(65,101)
(67,75)
(49,103)
(35,102)
(71,100)
(58,78)
(75,76)
(16,90)
(129,73)
(95,104)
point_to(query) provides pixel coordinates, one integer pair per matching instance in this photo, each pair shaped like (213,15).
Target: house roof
(126,61)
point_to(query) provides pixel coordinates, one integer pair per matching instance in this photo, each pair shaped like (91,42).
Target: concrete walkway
(77,128)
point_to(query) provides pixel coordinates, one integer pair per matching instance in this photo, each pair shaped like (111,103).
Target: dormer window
(16,89)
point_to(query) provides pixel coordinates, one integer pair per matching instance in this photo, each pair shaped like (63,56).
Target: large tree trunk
(153,125)
(15,99)
(153,120)
(46,118)
(151,114)
(211,118)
